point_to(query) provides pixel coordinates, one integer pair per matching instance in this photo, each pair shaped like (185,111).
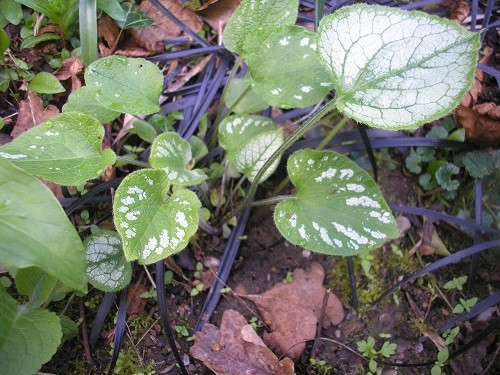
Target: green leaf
(32,40)
(479,164)
(338,209)
(5,76)
(152,224)
(36,284)
(144,130)
(28,338)
(66,149)
(12,11)
(171,153)
(134,19)
(427,182)
(35,230)
(62,12)
(443,355)
(113,9)
(250,102)
(198,148)
(388,349)
(278,53)
(437,132)
(4,43)
(107,268)
(444,176)
(125,85)
(412,162)
(84,101)
(249,142)
(395,69)
(45,83)
(69,328)
(252,14)
(436,370)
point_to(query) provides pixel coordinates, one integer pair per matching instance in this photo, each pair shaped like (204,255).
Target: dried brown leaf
(217,14)
(71,68)
(135,303)
(479,128)
(236,349)
(110,32)
(459,9)
(163,28)
(292,311)
(31,113)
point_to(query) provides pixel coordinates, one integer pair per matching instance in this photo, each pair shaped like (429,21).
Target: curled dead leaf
(71,68)
(236,348)
(292,311)
(459,10)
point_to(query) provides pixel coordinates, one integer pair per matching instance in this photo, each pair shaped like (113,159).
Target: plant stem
(137,163)
(306,127)
(271,200)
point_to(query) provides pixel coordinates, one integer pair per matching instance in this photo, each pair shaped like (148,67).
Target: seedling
(442,358)
(456,283)
(321,367)
(450,334)
(367,349)
(464,305)
(288,278)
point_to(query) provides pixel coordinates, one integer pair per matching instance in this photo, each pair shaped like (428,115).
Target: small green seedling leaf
(28,337)
(35,230)
(338,209)
(152,224)
(479,163)
(412,162)
(113,9)
(66,149)
(443,355)
(45,83)
(12,11)
(395,69)
(281,52)
(84,101)
(144,130)
(444,176)
(33,40)
(252,14)
(107,268)
(171,153)
(242,100)
(125,85)
(249,142)
(455,283)
(134,18)
(198,148)
(35,284)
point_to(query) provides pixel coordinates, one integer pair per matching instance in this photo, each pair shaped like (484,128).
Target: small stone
(306,253)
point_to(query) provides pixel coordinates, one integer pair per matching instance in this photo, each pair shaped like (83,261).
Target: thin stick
(85,336)
(320,324)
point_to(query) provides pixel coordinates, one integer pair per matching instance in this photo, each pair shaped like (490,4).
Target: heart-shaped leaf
(84,100)
(172,153)
(153,224)
(28,338)
(107,268)
(249,142)
(35,230)
(45,83)
(252,14)
(66,149)
(282,52)
(125,85)
(337,209)
(241,99)
(395,69)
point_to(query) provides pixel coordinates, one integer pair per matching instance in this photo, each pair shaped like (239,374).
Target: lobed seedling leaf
(249,142)
(152,223)
(283,67)
(395,69)
(107,268)
(125,85)
(337,209)
(66,149)
(252,14)
(28,337)
(35,230)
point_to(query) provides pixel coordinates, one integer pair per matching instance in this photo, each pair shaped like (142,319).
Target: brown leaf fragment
(163,28)
(31,113)
(237,349)
(109,31)
(71,68)
(479,128)
(217,14)
(459,10)
(135,303)
(292,311)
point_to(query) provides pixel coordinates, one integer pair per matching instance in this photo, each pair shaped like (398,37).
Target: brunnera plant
(390,69)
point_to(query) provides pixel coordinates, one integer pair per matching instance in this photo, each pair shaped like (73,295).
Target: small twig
(320,324)
(149,277)
(85,336)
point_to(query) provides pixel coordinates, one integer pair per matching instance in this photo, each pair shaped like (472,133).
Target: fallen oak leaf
(292,311)
(236,349)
